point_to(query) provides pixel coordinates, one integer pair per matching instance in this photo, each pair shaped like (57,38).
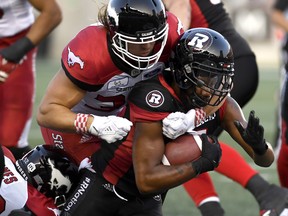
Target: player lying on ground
(37,184)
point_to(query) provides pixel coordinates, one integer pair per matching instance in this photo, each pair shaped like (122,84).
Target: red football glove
(6,67)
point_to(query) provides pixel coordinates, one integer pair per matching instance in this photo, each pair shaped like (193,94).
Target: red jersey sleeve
(140,115)
(39,204)
(86,58)
(175,30)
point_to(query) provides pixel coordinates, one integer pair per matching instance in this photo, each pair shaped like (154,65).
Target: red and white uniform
(17,93)
(88,63)
(15,192)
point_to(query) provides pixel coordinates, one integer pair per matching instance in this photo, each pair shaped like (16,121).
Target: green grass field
(235,200)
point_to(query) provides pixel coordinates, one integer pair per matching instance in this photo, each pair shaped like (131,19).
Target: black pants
(95,196)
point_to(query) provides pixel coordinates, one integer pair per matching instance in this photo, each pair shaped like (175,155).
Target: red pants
(16,103)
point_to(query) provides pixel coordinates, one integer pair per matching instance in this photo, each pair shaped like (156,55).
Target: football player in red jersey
(99,68)
(212,14)
(20,33)
(20,195)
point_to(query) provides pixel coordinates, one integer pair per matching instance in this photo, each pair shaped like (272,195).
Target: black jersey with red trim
(212,14)
(91,65)
(149,101)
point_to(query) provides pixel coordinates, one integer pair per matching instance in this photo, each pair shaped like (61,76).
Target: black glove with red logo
(253,134)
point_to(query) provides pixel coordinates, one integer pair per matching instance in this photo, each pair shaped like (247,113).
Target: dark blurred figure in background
(279,17)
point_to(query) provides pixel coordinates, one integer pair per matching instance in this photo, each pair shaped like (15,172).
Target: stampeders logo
(155,98)
(72,59)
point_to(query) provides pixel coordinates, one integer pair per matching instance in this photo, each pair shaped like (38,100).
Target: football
(185,148)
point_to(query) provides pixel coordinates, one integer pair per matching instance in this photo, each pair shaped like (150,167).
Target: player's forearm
(56,117)
(49,18)
(162,178)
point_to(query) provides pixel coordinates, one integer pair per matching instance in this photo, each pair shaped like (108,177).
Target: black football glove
(253,134)
(210,157)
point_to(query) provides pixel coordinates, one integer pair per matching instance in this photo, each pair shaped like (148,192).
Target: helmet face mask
(137,22)
(210,68)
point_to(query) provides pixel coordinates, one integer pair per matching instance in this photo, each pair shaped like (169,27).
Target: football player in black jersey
(130,173)
(212,14)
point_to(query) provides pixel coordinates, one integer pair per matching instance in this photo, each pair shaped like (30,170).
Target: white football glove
(178,123)
(111,128)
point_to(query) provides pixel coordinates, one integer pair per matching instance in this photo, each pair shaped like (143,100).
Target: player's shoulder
(86,47)
(86,57)
(152,94)
(144,87)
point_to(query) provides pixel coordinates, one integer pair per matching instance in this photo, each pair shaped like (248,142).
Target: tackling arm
(54,110)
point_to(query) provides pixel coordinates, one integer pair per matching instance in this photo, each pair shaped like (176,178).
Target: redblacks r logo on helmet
(198,40)
(154,98)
